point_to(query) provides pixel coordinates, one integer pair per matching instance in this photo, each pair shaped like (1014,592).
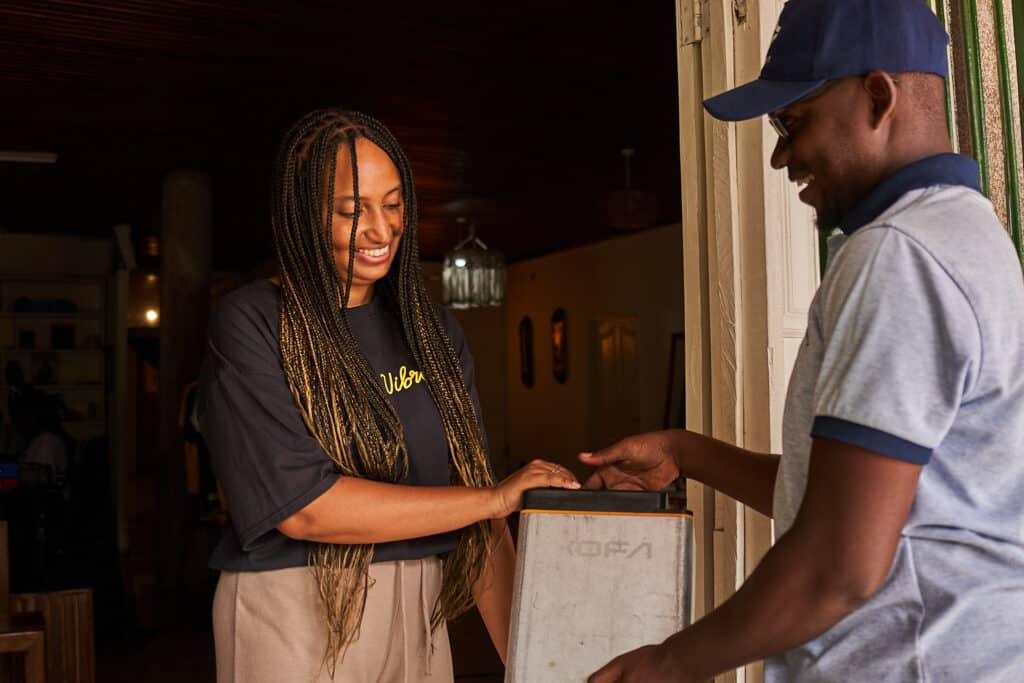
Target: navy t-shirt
(265,457)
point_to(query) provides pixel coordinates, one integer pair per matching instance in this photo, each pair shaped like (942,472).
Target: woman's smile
(374,256)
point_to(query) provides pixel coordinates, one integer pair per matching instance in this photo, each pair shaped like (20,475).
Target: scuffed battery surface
(590,586)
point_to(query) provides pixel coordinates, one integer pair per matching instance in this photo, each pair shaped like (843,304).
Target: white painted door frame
(750,270)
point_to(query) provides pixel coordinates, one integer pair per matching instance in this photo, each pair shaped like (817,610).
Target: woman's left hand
(649,664)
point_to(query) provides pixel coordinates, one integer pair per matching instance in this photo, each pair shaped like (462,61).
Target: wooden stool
(21,633)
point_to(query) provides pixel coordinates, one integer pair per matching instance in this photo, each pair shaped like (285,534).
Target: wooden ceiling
(512,113)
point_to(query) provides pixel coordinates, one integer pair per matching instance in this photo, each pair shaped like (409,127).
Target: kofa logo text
(615,548)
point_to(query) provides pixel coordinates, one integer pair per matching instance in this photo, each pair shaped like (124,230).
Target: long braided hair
(343,404)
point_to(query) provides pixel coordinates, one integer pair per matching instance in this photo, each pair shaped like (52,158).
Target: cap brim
(758,98)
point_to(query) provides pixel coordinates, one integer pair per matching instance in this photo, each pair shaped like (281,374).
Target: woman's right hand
(508,494)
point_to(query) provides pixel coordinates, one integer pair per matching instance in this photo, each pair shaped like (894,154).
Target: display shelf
(60,345)
(84,386)
(80,349)
(77,315)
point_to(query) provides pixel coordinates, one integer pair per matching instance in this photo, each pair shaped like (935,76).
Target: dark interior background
(513,114)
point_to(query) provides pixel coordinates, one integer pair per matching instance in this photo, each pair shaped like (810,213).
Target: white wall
(485,334)
(636,276)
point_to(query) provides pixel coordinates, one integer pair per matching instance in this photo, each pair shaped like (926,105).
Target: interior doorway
(615,397)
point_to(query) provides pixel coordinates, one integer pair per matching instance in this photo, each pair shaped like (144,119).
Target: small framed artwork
(44,368)
(62,336)
(526,351)
(559,346)
(675,393)
(26,339)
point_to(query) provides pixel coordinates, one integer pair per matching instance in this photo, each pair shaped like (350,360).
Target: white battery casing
(592,585)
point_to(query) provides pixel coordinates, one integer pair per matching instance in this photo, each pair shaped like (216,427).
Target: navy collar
(941,169)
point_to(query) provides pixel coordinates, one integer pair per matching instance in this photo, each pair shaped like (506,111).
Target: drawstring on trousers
(428,636)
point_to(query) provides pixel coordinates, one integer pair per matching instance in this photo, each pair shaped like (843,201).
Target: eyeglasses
(780,127)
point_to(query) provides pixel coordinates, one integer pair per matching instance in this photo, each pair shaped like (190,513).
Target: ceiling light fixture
(630,209)
(22,157)
(472,276)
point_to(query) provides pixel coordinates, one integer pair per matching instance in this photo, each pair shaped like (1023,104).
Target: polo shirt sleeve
(268,462)
(901,347)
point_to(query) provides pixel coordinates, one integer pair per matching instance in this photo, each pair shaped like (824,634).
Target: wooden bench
(20,634)
(70,640)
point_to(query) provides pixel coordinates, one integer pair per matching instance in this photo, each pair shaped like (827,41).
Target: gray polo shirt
(915,350)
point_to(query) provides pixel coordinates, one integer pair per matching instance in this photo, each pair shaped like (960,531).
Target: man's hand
(637,463)
(650,664)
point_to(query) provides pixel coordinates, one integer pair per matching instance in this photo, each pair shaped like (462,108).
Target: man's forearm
(741,474)
(835,557)
(787,601)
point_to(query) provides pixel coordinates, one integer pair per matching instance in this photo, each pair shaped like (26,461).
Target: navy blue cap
(821,40)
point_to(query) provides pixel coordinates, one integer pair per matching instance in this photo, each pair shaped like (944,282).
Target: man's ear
(882,89)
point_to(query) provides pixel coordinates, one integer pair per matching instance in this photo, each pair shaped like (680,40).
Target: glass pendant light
(473,276)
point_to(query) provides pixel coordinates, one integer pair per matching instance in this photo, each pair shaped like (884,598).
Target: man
(897,498)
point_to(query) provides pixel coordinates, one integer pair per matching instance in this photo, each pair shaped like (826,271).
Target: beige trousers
(268,628)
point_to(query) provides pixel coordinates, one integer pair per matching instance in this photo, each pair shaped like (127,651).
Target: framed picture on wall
(675,393)
(44,367)
(559,346)
(526,351)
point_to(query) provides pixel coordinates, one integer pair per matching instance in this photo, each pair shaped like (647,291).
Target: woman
(342,420)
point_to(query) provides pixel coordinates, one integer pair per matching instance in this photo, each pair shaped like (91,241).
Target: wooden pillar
(985,98)
(696,301)
(120,427)
(185,257)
